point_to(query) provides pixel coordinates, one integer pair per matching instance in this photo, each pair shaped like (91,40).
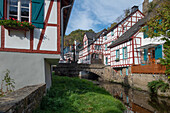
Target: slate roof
(129,33)
(122,21)
(134,29)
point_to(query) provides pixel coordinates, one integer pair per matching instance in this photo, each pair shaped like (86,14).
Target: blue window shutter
(38,13)
(145,35)
(158,52)
(127,71)
(120,71)
(105,37)
(145,54)
(1,9)
(106,60)
(123,53)
(106,47)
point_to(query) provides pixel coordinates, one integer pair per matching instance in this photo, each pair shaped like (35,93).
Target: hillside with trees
(75,35)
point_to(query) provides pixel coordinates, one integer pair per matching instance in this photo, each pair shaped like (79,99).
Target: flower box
(13,24)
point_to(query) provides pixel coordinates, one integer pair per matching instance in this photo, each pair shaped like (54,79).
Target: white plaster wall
(17,39)
(25,68)
(53,16)
(37,33)
(50,39)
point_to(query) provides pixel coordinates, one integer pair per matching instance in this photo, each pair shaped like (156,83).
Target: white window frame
(19,10)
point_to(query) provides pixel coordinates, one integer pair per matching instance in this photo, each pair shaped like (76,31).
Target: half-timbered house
(29,53)
(92,51)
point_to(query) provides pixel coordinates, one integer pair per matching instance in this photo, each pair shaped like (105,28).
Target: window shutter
(145,35)
(123,53)
(145,54)
(127,71)
(158,52)
(38,13)
(1,9)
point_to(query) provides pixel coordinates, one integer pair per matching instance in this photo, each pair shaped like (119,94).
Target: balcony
(149,69)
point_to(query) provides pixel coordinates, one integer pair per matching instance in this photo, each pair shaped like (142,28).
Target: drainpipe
(62,31)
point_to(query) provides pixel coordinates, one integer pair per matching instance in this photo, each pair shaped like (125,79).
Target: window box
(13,24)
(117,59)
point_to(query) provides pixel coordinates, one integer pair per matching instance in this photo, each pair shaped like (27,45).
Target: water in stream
(138,101)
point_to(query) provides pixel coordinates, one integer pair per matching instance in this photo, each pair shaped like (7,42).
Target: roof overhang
(147,46)
(67,12)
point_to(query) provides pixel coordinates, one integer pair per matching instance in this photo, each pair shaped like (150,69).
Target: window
(112,42)
(105,37)
(105,47)
(106,60)
(19,9)
(112,33)
(125,53)
(99,47)
(145,34)
(117,54)
(88,48)
(85,43)
(97,56)
(96,47)
(124,28)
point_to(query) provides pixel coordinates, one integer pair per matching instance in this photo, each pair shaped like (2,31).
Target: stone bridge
(73,69)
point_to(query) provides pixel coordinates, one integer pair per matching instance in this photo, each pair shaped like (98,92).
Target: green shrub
(157,84)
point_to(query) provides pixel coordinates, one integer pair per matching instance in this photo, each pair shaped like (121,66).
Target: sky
(97,14)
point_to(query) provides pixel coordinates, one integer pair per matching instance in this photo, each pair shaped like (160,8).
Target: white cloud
(89,14)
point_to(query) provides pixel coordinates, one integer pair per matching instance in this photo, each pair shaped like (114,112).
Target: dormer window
(19,9)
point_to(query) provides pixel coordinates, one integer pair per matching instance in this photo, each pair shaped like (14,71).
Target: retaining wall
(24,100)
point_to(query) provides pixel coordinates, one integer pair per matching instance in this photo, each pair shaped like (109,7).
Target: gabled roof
(134,29)
(122,21)
(129,33)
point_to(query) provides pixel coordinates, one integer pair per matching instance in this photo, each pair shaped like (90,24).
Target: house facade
(29,53)
(92,51)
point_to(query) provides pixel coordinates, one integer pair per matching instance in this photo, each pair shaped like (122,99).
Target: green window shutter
(123,53)
(120,71)
(38,13)
(1,9)
(105,37)
(127,71)
(106,60)
(105,47)
(145,54)
(158,52)
(145,35)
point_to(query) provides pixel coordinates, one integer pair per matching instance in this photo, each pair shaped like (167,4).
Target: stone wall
(138,81)
(24,100)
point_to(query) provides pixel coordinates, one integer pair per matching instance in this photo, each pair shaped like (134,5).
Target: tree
(158,25)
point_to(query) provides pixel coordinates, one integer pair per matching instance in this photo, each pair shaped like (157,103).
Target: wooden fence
(149,69)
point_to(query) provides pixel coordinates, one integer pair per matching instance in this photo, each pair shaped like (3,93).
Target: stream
(137,101)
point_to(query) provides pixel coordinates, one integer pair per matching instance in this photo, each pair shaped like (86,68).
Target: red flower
(9,17)
(5,18)
(17,21)
(13,19)
(21,25)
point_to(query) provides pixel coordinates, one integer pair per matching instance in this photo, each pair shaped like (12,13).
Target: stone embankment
(24,100)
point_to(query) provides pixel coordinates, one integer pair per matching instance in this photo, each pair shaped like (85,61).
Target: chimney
(145,7)
(134,8)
